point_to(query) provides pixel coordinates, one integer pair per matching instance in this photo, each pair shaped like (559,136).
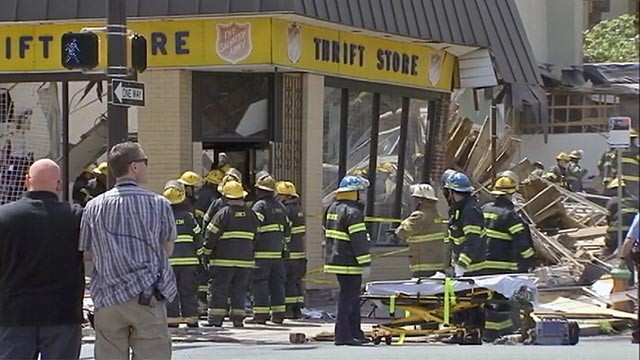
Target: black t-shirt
(41,269)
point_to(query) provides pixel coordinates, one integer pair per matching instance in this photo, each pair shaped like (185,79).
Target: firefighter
(627,207)
(230,244)
(296,264)
(80,183)
(630,161)
(509,250)
(184,260)
(273,233)
(443,181)
(509,245)
(190,180)
(558,173)
(347,255)
(606,166)
(575,172)
(425,233)
(466,225)
(538,169)
(209,191)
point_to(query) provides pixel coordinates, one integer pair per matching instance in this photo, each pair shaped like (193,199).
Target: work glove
(459,270)
(366,272)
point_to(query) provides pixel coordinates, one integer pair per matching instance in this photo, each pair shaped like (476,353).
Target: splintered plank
(481,145)
(457,138)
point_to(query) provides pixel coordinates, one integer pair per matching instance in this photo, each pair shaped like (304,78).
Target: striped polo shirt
(124,229)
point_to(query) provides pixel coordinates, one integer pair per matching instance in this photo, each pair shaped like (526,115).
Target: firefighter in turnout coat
(296,264)
(347,255)
(184,261)
(230,244)
(425,232)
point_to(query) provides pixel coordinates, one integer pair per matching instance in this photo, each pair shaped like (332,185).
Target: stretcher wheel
(388,339)
(574,333)
(376,340)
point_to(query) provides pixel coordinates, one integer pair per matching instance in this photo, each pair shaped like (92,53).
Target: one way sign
(127,93)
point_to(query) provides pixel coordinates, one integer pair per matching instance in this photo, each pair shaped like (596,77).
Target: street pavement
(272,342)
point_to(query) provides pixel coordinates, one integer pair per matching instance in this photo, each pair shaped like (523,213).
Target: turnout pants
(348,319)
(294,295)
(185,303)
(268,289)
(228,283)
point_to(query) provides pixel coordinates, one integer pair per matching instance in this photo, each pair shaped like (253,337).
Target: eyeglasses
(145,161)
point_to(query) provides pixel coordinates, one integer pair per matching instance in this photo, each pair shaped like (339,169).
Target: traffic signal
(80,50)
(138,52)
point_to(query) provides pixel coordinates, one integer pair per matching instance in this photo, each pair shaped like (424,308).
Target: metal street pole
(117,122)
(619,237)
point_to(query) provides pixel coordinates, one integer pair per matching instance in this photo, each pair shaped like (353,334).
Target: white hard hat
(424,191)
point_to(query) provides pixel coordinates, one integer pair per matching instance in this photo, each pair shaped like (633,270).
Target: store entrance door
(248,158)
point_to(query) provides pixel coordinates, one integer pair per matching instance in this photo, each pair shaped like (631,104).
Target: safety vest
(298,229)
(508,241)
(230,237)
(425,233)
(189,237)
(466,226)
(346,239)
(274,230)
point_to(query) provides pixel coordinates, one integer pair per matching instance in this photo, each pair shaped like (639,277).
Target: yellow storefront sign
(190,43)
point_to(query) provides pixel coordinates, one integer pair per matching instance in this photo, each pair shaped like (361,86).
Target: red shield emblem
(233,42)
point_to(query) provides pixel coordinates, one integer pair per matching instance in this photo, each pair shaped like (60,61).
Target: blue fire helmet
(353,183)
(445,176)
(459,182)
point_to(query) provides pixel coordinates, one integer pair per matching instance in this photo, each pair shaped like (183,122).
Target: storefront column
(164,125)
(312,130)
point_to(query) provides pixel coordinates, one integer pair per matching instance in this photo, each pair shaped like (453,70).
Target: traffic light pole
(117,122)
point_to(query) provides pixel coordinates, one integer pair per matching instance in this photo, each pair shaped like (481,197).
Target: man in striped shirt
(129,233)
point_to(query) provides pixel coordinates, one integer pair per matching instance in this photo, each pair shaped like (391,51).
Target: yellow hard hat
(286,188)
(233,190)
(576,154)
(504,185)
(614,184)
(189,178)
(563,156)
(509,174)
(266,182)
(101,169)
(225,179)
(174,192)
(214,176)
(89,168)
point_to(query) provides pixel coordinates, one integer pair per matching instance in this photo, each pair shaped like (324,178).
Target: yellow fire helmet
(225,179)
(563,156)
(504,185)
(189,178)
(576,154)
(214,176)
(174,192)
(614,184)
(233,190)
(423,191)
(266,182)
(509,174)
(286,188)
(101,169)
(89,168)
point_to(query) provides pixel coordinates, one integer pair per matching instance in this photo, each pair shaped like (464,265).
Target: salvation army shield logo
(233,42)
(294,43)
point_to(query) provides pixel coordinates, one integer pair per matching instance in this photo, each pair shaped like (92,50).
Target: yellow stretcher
(431,304)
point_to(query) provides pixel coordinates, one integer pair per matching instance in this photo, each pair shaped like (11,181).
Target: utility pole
(117,122)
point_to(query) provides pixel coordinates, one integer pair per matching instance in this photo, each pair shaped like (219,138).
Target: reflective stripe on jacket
(346,239)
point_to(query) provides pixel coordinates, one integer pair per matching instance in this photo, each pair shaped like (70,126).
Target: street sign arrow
(127,93)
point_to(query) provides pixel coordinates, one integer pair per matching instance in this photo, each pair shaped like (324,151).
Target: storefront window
(359,132)
(331,143)
(386,175)
(233,107)
(414,155)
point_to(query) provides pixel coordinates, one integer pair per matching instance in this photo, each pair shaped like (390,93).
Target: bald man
(41,271)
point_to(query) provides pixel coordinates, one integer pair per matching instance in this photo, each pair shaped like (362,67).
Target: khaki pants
(131,325)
